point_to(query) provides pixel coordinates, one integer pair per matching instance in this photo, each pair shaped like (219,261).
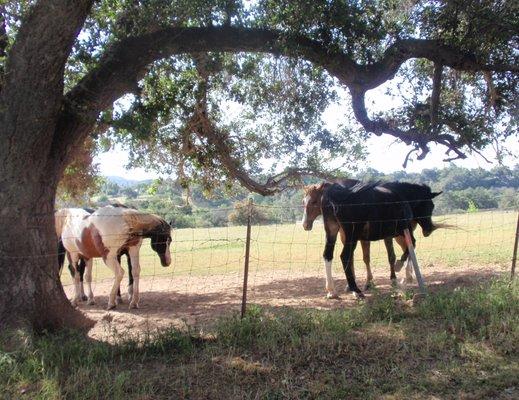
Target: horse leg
(73,267)
(391,256)
(88,276)
(409,266)
(400,263)
(366,257)
(130,277)
(119,298)
(331,229)
(81,271)
(347,264)
(136,271)
(343,240)
(112,263)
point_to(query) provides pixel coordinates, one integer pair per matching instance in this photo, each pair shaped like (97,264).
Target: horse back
(372,213)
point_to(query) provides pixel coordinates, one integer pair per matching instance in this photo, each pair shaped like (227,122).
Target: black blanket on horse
(367,211)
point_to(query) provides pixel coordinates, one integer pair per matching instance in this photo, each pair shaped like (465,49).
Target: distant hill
(123,182)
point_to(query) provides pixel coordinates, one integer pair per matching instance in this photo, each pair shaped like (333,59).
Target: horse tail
(441,225)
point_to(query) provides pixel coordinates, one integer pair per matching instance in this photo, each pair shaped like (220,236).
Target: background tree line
(463,190)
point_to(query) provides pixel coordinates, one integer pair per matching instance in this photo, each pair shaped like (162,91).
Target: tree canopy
(225,90)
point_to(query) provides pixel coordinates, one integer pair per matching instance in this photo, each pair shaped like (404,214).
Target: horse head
(312,203)
(160,242)
(422,210)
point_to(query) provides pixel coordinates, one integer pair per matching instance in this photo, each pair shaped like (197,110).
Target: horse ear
(434,194)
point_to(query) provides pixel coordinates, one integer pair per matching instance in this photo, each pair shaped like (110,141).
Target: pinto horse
(107,233)
(366,212)
(81,266)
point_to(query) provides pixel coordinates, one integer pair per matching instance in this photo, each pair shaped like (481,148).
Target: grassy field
(458,344)
(484,237)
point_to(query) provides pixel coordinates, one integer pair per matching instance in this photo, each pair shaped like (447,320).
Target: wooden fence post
(514,256)
(246,265)
(412,255)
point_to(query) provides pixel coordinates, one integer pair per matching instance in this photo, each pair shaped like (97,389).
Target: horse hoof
(111,307)
(394,282)
(84,298)
(358,295)
(91,302)
(332,296)
(398,265)
(369,285)
(119,300)
(133,306)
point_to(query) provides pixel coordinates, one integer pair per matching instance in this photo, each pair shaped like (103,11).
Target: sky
(385,154)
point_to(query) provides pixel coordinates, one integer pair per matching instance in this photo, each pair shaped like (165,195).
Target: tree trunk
(31,293)
(31,99)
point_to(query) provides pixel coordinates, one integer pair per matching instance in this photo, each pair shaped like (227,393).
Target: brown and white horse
(106,233)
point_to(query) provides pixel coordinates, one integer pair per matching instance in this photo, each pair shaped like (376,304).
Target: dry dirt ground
(196,301)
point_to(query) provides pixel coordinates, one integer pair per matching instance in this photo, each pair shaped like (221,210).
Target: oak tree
(213,90)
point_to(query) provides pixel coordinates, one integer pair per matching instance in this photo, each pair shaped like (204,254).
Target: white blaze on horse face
(167,254)
(305,214)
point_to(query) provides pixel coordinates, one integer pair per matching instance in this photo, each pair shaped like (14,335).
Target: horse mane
(411,191)
(364,186)
(144,223)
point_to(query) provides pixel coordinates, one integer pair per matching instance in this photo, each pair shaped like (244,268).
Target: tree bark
(31,293)
(30,102)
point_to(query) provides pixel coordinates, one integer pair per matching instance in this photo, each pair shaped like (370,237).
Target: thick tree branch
(34,76)
(433,50)
(126,62)
(203,127)
(409,136)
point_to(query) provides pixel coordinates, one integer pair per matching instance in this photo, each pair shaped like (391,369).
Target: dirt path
(197,301)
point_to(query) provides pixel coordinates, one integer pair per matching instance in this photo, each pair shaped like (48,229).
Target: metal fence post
(246,265)
(514,256)
(412,255)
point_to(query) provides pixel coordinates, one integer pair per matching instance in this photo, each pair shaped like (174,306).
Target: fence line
(201,257)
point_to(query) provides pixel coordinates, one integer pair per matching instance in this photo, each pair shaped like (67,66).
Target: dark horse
(366,212)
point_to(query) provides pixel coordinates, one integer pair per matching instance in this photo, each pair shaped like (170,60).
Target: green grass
(460,344)
(480,238)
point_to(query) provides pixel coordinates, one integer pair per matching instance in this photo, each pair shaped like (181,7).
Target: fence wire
(286,261)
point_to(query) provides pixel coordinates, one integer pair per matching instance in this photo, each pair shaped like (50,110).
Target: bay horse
(106,233)
(366,212)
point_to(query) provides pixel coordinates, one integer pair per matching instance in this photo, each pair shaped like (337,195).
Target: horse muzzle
(165,261)
(307,226)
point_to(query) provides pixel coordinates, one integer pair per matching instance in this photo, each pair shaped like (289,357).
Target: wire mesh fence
(206,275)
(285,262)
